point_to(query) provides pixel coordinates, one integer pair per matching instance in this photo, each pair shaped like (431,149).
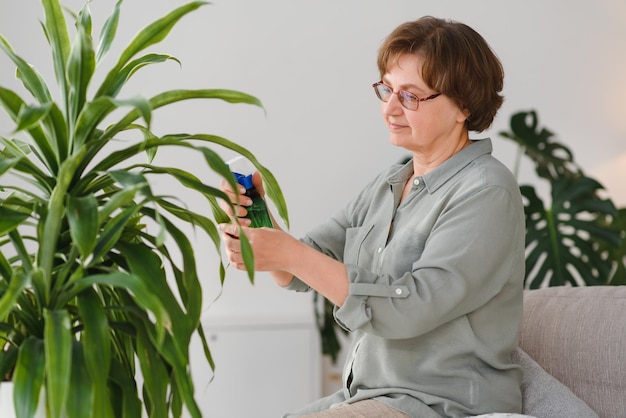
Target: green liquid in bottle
(257,212)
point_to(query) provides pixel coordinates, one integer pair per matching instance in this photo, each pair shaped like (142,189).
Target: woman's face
(436,127)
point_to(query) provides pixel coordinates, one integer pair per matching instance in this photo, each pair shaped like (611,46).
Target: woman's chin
(397,141)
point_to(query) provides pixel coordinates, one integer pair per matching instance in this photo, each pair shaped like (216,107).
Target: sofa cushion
(544,396)
(578,335)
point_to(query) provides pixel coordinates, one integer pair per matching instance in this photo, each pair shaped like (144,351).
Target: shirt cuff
(355,312)
(297,285)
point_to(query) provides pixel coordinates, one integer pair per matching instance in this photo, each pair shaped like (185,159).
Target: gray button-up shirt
(435,296)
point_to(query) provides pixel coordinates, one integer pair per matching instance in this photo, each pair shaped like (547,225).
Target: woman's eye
(408,97)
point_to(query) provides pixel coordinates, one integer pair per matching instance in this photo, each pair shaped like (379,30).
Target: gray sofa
(578,336)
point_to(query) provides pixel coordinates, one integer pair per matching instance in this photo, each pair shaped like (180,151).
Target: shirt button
(416,182)
(398,291)
(380,250)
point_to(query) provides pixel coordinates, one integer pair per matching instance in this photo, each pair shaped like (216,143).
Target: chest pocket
(403,250)
(356,250)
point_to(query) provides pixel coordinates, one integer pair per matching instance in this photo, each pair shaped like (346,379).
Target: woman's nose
(393,105)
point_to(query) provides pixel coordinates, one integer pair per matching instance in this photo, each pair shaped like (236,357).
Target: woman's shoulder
(490,171)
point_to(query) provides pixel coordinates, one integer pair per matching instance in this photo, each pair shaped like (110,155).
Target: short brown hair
(458,62)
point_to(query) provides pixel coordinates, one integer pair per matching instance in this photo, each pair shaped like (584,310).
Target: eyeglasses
(407,99)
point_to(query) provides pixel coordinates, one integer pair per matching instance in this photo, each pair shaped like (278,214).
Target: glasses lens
(383,92)
(408,100)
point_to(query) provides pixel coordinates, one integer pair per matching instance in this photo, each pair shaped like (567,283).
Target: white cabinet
(264,368)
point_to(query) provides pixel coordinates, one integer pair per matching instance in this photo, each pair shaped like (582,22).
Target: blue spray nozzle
(242,169)
(244,180)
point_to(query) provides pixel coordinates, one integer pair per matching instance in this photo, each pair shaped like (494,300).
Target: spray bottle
(258,214)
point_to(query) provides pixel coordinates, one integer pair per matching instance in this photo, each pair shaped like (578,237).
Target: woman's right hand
(239,200)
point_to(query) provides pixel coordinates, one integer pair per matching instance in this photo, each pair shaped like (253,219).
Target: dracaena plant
(578,236)
(89,283)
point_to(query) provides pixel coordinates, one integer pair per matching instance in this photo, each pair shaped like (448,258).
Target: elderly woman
(425,265)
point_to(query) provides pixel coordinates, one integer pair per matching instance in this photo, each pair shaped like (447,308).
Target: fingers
(230,231)
(232,245)
(258,183)
(236,198)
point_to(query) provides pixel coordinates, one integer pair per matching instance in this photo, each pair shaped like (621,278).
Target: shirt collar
(441,174)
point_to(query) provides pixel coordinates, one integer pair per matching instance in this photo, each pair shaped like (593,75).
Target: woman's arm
(279,253)
(284,257)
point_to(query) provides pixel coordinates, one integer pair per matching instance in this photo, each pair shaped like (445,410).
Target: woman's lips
(395,126)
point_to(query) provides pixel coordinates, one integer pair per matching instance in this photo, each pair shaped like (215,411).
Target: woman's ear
(464,115)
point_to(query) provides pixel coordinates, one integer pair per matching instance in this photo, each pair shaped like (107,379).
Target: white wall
(312,64)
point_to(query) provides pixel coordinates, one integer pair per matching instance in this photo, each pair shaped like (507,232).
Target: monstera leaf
(552,159)
(567,243)
(618,254)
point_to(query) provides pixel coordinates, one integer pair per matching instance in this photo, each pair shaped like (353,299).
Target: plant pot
(6,402)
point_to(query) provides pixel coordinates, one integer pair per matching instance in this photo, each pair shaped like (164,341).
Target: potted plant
(89,283)
(579,236)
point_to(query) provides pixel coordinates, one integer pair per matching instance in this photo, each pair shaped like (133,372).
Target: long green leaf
(55,215)
(59,39)
(7,164)
(6,271)
(103,106)
(139,289)
(124,392)
(154,372)
(189,286)
(30,116)
(178,361)
(107,34)
(16,108)
(79,403)
(145,264)
(89,118)
(112,232)
(32,80)
(8,358)
(193,218)
(97,350)
(120,198)
(270,183)
(82,216)
(150,35)
(58,348)
(18,283)
(57,133)
(11,219)
(81,65)
(115,83)
(247,254)
(29,377)
(17,240)
(214,161)
(15,149)
(184,383)
(174,96)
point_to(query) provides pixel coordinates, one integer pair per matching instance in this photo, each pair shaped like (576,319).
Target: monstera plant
(578,237)
(99,292)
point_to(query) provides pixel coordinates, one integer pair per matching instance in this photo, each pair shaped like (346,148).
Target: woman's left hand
(270,246)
